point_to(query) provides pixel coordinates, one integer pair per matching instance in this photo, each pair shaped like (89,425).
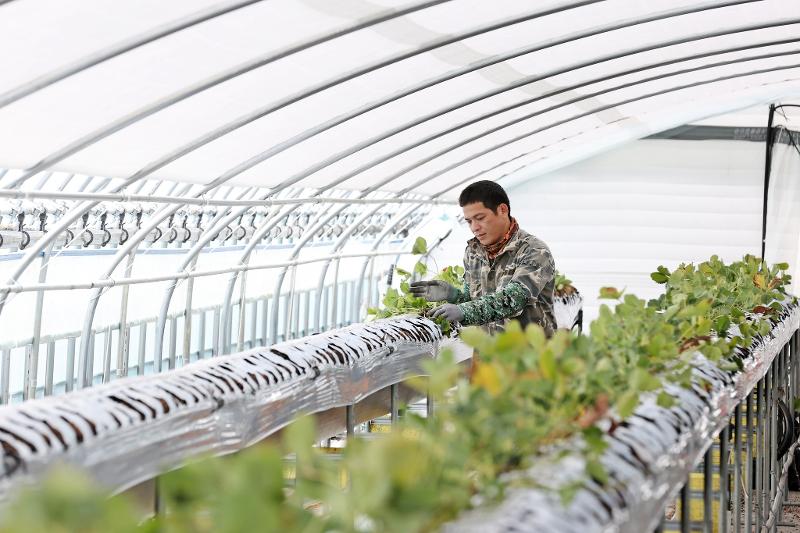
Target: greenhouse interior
(400,266)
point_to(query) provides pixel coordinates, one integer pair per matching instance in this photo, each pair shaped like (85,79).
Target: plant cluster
(528,396)
(401,302)
(563,285)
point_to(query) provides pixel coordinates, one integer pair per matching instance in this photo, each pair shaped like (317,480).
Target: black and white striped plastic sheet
(566,309)
(127,431)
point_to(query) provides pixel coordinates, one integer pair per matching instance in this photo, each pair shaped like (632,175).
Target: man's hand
(451,312)
(434,291)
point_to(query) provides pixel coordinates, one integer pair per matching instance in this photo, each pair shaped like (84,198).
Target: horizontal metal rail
(133,342)
(111,282)
(267,202)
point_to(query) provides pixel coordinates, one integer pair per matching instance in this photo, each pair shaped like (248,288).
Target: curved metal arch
(338,245)
(527,134)
(323,274)
(117,49)
(253,161)
(129,247)
(78,211)
(266,225)
(135,116)
(527,80)
(565,103)
(244,259)
(618,104)
(308,235)
(190,259)
(335,212)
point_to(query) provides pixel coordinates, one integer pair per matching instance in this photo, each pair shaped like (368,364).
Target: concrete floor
(791,515)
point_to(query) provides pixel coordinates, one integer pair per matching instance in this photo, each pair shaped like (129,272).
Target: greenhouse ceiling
(386,95)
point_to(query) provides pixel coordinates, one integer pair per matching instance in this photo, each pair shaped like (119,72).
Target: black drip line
(770,143)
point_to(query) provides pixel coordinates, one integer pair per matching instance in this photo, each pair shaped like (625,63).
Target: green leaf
(536,336)
(421,268)
(402,272)
(597,471)
(627,403)
(722,324)
(593,436)
(610,293)
(665,400)
(473,336)
(642,380)
(391,297)
(658,277)
(420,246)
(547,363)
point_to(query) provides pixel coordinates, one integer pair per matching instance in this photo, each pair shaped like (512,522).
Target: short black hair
(488,192)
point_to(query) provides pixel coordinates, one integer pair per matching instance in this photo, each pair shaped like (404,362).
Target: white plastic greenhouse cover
(391,94)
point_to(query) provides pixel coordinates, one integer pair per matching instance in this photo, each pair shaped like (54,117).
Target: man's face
(487,226)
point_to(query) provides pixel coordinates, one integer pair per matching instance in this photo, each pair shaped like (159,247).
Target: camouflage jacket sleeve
(534,269)
(505,303)
(462,294)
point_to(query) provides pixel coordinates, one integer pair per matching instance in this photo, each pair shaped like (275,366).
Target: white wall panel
(612,219)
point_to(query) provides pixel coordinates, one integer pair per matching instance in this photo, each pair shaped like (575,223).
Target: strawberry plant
(401,302)
(563,285)
(529,395)
(737,299)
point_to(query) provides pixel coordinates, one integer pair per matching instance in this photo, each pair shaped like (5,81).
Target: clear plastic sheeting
(371,92)
(648,459)
(129,431)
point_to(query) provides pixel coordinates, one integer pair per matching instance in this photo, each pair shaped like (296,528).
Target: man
(510,274)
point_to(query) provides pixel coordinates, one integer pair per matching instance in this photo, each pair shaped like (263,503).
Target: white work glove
(434,291)
(451,312)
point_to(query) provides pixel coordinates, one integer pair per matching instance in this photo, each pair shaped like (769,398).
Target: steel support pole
(748,494)
(760,452)
(723,479)
(685,508)
(5,370)
(737,472)
(124,331)
(107,354)
(242,312)
(708,493)
(393,404)
(188,318)
(140,361)
(70,383)
(350,420)
(32,355)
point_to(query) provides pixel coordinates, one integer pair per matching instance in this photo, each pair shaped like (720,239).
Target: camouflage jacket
(517,284)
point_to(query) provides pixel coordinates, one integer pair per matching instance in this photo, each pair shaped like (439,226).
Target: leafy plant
(402,302)
(529,396)
(739,298)
(563,285)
